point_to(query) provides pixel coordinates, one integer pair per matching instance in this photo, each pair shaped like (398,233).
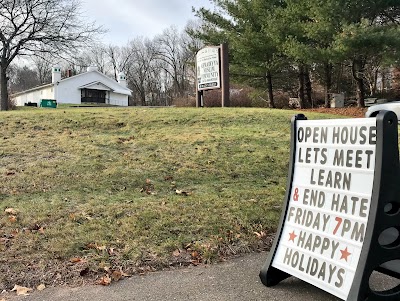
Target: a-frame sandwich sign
(341,217)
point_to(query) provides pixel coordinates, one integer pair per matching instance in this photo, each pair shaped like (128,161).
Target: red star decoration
(345,254)
(292,236)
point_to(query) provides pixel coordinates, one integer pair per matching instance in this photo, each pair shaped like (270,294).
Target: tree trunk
(270,89)
(328,84)
(340,77)
(382,87)
(3,88)
(375,82)
(360,93)
(358,71)
(143,97)
(308,87)
(301,87)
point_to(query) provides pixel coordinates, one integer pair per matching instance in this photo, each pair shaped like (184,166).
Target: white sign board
(208,69)
(329,204)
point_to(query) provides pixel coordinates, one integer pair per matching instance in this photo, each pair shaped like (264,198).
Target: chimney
(92,68)
(69,73)
(55,74)
(122,79)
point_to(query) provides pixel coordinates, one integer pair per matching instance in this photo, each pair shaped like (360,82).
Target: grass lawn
(89,191)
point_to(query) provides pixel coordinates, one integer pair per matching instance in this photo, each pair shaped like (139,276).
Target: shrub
(240,97)
(189,101)
(281,100)
(212,98)
(259,99)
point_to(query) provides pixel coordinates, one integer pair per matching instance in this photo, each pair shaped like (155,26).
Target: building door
(91,95)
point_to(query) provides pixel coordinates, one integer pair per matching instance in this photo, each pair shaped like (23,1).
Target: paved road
(235,280)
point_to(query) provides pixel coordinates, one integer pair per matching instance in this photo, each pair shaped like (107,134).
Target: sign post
(212,71)
(341,217)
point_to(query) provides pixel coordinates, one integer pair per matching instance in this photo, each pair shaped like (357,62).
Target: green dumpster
(48,103)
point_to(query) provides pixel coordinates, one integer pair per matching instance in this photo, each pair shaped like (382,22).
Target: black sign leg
(381,250)
(199,99)
(271,276)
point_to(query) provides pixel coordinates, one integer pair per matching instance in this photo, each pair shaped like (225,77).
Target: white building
(89,87)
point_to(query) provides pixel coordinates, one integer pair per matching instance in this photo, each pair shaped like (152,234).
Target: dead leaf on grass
(21,290)
(101,248)
(196,258)
(34,227)
(182,192)
(12,218)
(105,280)
(176,253)
(195,255)
(261,234)
(116,275)
(91,246)
(11,211)
(77,260)
(41,287)
(105,266)
(148,187)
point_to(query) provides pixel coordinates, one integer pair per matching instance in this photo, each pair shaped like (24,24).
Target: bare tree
(96,56)
(191,46)
(113,53)
(119,58)
(173,58)
(43,65)
(142,68)
(31,26)
(22,78)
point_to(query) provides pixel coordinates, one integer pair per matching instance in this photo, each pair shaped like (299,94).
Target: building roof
(33,89)
(121,89)
(96,85)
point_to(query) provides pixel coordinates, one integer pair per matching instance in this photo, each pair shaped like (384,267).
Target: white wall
(118,99)
(34,96)
(68,92)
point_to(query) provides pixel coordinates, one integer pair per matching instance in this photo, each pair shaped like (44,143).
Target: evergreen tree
(244,25)
(266,35)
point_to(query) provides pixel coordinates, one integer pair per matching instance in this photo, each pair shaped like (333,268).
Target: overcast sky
(127,19)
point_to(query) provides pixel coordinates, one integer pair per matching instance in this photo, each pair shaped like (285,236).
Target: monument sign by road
(212,72)
(208,69)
